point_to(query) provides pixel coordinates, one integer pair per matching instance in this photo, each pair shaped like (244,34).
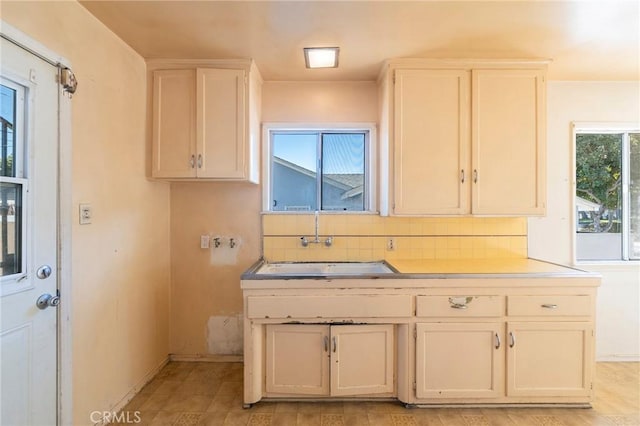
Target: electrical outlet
(391,244)
(204,241)
(85,214)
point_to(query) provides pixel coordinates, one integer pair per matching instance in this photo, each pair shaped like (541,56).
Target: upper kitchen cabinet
(464,138)
(206,120)
(508,142)
(431,142)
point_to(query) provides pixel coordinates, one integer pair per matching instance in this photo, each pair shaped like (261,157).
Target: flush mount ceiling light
(321,57)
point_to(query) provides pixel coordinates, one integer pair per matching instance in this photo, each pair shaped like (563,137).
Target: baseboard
(618,358)
(205,358)
(131,394)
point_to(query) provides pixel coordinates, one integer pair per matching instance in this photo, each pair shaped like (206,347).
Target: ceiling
(586,40)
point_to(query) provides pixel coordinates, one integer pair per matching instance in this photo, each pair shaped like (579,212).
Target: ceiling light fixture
(321,57)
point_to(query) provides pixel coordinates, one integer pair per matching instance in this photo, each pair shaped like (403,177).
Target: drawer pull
(549,306)
(458,306)
(326,343)
(497,341)
(460,302)
(513,339)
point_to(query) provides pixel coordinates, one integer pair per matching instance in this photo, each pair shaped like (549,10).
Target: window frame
(624,128)
(22,137)
(371,144)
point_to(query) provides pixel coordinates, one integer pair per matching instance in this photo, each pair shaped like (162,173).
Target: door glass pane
(634,195)
(343,160)
(599,196)
(294,171)
(7,127)
(11,224)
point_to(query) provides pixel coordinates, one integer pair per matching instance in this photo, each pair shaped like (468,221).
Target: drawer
(558,305)
(360,306)
(459,306)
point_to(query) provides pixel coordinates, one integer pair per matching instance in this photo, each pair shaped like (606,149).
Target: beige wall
(550,237)
(120,263)
(205,283)
(319,101)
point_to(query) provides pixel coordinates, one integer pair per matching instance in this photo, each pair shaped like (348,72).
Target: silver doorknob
(46,300)
(43,272)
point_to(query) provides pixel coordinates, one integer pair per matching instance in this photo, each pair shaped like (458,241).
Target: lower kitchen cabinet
(549,359)
(459,360)
(329,360)
(297,359)
(487,339)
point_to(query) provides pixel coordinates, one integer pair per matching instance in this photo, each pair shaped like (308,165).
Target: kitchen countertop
(508,266)
(424,272)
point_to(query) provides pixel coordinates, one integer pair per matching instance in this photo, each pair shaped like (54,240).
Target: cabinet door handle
(549,306)
(192,161)
(513,339)
(199,161)
(326,343)
(335,344)
(497,341)
(475,176)
(462,176)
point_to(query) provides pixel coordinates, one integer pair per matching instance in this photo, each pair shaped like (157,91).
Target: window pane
(634,195)
(293,172)
(343,181)
(7,126)
(599,196)
(11,223)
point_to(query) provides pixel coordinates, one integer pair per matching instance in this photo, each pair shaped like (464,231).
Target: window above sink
(327,168)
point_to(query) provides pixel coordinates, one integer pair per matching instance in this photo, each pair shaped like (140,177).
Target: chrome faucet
(316,240)
(327,242)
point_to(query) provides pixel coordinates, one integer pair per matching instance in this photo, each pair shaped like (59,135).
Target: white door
(28,263)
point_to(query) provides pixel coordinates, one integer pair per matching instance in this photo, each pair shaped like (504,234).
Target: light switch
(85,214)
(204,241)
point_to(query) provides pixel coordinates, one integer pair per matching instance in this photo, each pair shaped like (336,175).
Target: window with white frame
(319,170)
(607,194)
(13,183)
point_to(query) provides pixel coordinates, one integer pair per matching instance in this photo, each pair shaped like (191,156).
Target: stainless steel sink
(324,268)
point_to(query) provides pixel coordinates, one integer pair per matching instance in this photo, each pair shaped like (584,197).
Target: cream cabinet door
(362,359)
(221,112)
(431,142)
(549,358)
(508,142)
(297,359)
(174,124)
(459,360)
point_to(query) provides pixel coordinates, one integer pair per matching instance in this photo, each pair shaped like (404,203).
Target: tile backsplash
(366,237)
